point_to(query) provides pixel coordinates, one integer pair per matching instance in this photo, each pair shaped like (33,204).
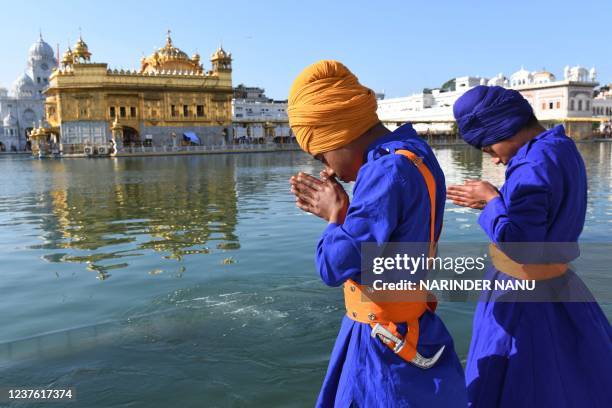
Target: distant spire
(168,38)
(40,34)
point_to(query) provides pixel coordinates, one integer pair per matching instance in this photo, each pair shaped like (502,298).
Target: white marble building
(22,108)
(568,101)
(257,118)
(602,110)
(431,110)
(602,103)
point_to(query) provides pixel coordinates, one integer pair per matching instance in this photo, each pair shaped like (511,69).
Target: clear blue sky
(396,46)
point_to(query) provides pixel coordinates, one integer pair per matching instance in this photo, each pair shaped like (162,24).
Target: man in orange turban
(387,354)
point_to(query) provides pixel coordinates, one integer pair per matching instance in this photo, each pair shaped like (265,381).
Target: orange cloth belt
(507,265)
(358,299)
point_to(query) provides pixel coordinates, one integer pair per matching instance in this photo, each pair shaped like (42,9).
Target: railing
(82,149)
(213,148)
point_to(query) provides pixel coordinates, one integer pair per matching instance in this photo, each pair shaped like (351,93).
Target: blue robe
(390,203)
(548,354)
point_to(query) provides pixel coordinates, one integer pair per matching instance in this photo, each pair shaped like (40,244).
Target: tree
(449,85)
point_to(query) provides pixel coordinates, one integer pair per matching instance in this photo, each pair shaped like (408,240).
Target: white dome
(41,50)
(520,77)
(578,73)
(10,120)
(24,86)
(521,73)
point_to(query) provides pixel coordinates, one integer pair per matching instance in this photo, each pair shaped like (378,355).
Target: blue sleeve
(378,198)
(521,213)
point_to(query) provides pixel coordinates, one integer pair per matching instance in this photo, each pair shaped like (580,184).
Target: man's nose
(496,160)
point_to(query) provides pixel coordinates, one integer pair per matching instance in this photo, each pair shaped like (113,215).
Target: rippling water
(147,281)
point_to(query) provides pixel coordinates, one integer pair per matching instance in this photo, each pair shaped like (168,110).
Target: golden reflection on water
(179,209)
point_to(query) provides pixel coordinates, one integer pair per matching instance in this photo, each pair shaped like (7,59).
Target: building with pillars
(602,102)
(257,118)
(171,100)
(568,101)
(22,108)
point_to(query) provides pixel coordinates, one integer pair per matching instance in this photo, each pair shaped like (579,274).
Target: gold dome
(170,58)
(80,46)
(171,52)
(220,54)
(221,60)
(543,76)
(68,57)
(81,51)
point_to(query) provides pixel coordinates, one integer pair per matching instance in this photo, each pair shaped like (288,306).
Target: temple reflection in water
(181,207)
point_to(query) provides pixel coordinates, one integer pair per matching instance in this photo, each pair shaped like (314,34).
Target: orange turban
(329,108)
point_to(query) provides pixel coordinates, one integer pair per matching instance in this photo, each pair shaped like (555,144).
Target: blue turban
(489,114)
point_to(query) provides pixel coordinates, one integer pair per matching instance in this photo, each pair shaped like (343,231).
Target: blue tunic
(390,203)
(540,354)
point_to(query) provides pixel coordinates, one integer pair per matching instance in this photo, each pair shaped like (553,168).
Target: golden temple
(91,109)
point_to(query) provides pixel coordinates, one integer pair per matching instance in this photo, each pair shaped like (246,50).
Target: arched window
(571,104)
(580,104)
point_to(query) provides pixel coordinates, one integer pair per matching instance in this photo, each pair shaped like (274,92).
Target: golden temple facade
(170,101)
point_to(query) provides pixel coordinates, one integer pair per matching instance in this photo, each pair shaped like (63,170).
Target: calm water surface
(189,281)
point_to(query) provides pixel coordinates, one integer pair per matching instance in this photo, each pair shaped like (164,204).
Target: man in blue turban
(527,354)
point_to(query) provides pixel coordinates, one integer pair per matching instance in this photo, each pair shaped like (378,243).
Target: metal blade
(426,363)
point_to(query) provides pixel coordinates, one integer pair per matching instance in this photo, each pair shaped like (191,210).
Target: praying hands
(472,193)
(323,197)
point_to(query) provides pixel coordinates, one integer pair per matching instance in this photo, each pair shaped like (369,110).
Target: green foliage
(449,85)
